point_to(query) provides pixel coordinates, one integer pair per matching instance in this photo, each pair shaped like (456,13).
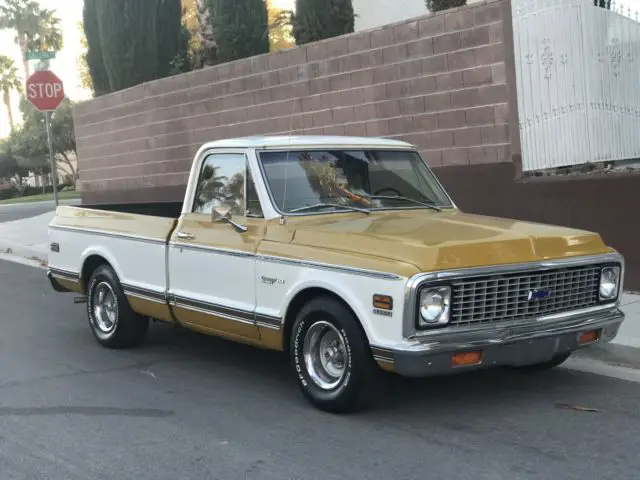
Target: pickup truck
(348,255)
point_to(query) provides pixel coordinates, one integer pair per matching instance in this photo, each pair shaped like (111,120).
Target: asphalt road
(185,406)
(12,212)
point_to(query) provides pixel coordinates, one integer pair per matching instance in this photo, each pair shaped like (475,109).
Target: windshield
(371,179)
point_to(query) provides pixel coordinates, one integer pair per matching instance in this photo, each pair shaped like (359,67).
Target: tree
(8,81)
(240,28)
(172,38)
(83,64)
(36,28)
(133,41)
(28,144)
(202,46)
(93,56)
(280,36)
(439,5)
(316,20)
(602,4)
(9,166)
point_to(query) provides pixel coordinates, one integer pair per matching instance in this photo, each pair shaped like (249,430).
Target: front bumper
(510,345)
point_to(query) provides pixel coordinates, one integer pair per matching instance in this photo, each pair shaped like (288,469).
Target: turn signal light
(589,337)
(466,358)
(383,302)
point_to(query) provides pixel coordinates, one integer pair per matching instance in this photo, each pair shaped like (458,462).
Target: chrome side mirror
(219,215)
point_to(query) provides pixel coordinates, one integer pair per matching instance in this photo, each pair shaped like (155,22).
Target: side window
(225,182)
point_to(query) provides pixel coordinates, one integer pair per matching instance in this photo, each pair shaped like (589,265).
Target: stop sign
(44,90)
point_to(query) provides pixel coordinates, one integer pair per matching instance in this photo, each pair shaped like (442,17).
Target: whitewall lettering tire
(331,358)
(113,323)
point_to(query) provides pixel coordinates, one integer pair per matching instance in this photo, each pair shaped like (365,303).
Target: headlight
(609,282)
(434,306)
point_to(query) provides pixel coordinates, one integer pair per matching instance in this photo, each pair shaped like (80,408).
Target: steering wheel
(391,189)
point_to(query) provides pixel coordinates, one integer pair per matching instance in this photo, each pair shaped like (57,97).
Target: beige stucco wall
(376,13)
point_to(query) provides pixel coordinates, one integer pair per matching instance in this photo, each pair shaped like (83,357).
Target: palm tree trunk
(7,102)
(23,51)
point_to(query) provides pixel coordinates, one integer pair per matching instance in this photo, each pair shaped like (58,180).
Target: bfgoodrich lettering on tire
(112,321)
(331,357)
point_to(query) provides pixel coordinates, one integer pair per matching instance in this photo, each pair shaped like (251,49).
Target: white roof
(286,141)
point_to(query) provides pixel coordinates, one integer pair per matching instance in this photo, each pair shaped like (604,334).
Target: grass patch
(43,197)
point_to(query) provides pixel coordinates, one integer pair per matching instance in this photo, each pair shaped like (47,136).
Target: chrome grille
(505,297)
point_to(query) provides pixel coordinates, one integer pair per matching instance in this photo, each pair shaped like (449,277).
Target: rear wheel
(331,358)
(112,321)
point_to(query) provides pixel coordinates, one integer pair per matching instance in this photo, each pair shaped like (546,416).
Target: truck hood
(450,239)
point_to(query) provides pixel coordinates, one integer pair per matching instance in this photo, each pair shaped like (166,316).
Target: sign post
(46,93)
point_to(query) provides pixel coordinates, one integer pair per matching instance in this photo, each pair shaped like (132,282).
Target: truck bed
(154,209)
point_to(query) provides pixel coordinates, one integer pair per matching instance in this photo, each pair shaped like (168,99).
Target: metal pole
(54,170)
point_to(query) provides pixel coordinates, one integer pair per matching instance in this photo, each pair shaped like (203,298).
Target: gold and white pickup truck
(345,253)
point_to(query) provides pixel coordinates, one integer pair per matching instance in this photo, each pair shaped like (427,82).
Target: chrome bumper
(509,345)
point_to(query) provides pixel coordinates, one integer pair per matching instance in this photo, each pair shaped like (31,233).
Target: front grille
(498,298)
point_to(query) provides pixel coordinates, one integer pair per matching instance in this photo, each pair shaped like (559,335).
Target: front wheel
(331,358)
(112,321)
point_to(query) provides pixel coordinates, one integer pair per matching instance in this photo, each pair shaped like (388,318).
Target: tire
(348,389)
(116,325)
(539,367)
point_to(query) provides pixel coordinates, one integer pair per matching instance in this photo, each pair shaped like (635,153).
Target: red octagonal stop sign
(44,90)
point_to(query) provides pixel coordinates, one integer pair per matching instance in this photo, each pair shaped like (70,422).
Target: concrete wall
(445,82)
(439,82)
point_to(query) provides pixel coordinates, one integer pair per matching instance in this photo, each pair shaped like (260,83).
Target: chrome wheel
(105,308)
(325,355)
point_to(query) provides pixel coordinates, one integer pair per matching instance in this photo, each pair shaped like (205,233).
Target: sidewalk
(26,241)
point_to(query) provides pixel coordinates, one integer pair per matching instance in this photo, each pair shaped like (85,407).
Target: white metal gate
(578,77)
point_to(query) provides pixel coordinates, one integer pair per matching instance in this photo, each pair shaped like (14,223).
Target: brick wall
(441,82)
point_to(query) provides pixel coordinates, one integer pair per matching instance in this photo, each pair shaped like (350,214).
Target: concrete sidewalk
(26,241)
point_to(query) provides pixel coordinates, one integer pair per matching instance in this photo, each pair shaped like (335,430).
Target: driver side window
(222,184)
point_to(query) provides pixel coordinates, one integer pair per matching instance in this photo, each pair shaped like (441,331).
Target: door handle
(184,235)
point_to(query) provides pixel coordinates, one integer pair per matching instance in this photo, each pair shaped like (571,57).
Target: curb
(12,251)
(612,354)
(69,201)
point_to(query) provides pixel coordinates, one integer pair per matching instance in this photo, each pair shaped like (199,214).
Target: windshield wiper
(407,199)
(330,205)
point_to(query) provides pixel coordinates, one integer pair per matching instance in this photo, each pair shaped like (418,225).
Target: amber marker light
(383,302)
(464,359)
(589,337)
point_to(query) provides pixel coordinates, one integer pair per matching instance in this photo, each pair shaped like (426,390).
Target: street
(20,211)
(188,406)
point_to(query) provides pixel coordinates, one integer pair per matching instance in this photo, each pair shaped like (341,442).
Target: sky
(65,64)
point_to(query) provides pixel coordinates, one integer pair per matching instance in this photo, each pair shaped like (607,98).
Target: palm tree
(36,29)
(8,81)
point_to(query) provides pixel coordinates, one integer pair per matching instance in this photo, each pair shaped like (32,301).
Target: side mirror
(223,214)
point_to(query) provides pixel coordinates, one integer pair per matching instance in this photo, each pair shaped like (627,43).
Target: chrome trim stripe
(228,313)
(268,321)
(213,308)
(211,312)
(205,248)
(64,274)
(383,359)
(144,294)
(106,233)
(417,281)
(268,325)
(238,253)
(382,354)
(327,266)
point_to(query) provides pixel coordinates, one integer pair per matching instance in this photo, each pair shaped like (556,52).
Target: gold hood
(431,240)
